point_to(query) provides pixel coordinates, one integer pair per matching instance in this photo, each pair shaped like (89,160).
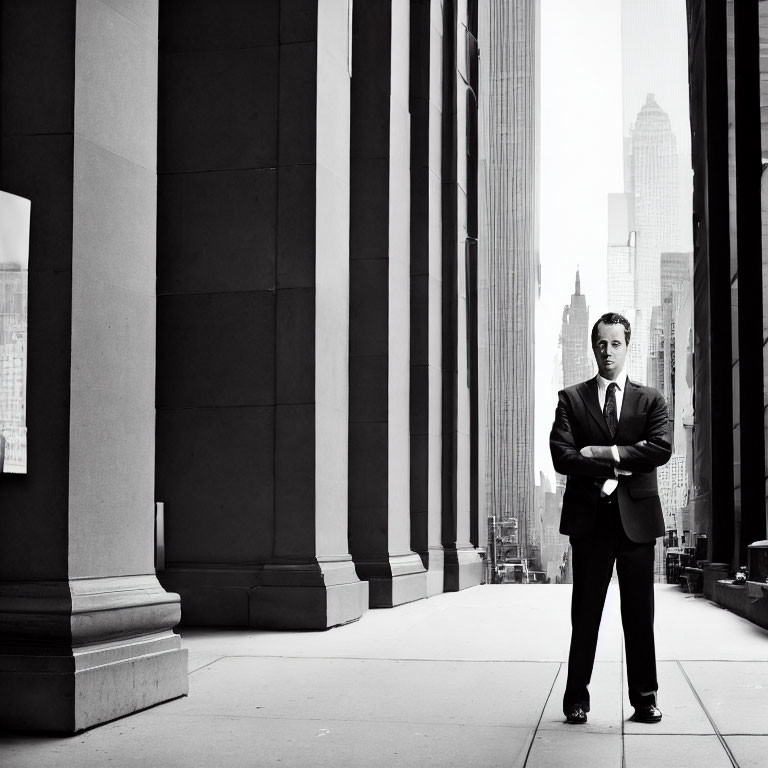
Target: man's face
(610,349)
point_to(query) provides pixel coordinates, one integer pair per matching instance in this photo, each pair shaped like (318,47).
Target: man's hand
(597,452)
(604,452)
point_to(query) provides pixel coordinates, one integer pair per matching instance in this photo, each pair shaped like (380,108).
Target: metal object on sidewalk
(757,561)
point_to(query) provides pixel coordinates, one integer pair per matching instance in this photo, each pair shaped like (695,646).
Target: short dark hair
(612,318)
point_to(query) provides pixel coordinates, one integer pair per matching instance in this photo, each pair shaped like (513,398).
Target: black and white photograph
(383,383)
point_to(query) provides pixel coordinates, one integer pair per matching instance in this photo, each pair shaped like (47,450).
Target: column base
(463,569)
(295,596)
(93,685)
(395,580)
(80,653)
(435,571)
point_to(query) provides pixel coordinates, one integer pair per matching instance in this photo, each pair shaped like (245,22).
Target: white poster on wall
(14,270)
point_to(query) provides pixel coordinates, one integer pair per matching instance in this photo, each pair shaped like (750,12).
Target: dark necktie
(609,409)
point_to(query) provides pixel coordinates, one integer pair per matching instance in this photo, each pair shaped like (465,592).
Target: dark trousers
(592,562)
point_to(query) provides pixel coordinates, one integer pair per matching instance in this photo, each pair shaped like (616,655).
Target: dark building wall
(729,461)
(369,364)
(745,85)
(217,277)
(37,76)
(713,443)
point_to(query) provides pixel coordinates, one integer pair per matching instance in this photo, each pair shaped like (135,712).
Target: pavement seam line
(623,752)
(719,735)
(292,718)
(210,663)
(391,658)
(541,715)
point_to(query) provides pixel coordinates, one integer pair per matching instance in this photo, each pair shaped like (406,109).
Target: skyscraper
(655,196)
(574,338)
(656,369)
(510,174)
(652,59)
(676,269)
(652,191)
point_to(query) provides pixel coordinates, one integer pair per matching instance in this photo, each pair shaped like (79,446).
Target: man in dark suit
(609,436)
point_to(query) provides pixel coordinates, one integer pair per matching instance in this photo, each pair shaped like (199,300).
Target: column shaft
(750,496)
(713,429)
(85,627)
(426,249)
(252,343)
(463,567)
(380,280)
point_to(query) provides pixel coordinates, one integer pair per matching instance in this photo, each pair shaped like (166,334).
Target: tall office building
(655,196)
(654,71)
(574,339)
(652,60)
(657,358)
(621,278)
(675,283)
(509,170)
(653,191)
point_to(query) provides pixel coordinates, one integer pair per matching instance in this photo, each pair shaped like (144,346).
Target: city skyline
(584,161)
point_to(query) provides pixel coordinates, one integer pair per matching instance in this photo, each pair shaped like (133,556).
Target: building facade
(730,274)
(509,255)
(253,303)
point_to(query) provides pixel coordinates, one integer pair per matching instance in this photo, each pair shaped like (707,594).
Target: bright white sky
(582,159)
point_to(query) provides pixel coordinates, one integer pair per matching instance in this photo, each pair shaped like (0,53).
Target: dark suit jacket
(643,445)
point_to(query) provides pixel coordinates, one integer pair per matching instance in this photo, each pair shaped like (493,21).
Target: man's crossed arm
(607,461)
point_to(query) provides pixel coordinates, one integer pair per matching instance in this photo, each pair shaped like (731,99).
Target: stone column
(85,627)
(253,277)
(379,467)
(713,431)
(463,567)
(426,247)
(749,381)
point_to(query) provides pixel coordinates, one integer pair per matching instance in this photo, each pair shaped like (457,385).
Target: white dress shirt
(610,485)
(602,388)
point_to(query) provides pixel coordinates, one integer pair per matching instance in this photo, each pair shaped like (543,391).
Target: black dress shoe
(646,714)
(575,715)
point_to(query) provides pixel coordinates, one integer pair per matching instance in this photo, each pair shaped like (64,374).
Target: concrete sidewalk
(465,679)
